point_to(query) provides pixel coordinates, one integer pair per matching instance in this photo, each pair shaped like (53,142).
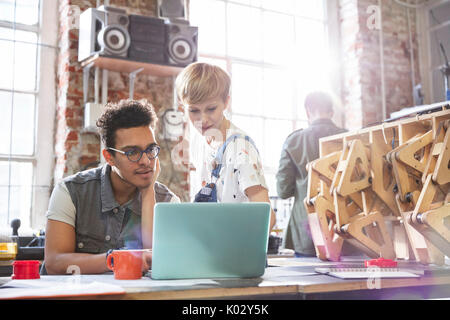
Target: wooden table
(293,278)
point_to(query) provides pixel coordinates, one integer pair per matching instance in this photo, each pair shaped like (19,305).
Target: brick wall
(362,93)
(76,149)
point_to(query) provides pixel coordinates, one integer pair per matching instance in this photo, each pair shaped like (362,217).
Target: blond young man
(204,90)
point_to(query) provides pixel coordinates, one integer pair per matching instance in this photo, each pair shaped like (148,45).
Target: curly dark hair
(123,115)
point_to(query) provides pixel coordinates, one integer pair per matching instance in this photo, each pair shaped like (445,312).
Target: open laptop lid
(210,240)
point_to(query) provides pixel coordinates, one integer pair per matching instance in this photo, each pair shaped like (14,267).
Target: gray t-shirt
(61,207)
(86,202)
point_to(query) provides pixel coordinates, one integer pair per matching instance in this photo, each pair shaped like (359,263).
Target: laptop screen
(210,240)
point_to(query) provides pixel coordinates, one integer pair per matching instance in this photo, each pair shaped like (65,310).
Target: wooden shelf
(123,65)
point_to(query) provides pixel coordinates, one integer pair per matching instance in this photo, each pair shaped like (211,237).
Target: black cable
(393,138)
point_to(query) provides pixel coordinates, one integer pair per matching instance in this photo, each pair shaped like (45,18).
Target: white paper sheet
(89,284)
(20,289)
(372,275)
(366,273)
(283,272)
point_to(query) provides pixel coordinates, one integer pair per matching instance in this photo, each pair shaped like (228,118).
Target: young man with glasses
(109,207)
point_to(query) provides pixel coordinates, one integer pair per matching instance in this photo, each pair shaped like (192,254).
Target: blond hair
(201,81)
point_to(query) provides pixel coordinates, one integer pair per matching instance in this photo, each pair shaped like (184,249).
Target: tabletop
(285,278)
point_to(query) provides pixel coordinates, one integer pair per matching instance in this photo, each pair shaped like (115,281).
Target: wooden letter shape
(313,187)
(441,173)
(382,182)
(432,223)
(406,154)
(374,224)
(436,150)
(436,222)
(355,161)
(328,243)
(423,249)
(325,164)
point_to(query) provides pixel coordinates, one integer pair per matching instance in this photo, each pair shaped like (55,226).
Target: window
(433,27)
(276,52)
(439,47)
(26,104)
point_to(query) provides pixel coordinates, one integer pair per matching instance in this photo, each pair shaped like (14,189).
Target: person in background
(301,147)
(204,91)
(110,207)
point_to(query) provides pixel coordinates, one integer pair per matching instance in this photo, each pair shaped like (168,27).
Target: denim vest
(100,222)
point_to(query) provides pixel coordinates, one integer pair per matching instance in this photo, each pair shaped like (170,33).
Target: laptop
(210,240)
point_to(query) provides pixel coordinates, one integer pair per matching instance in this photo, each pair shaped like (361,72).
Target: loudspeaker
(103,31)
(181,44)
(172,9)
(148,39)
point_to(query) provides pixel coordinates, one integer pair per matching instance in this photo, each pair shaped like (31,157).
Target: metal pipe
(383,84)
(411,54)
(96,85)
(104,86)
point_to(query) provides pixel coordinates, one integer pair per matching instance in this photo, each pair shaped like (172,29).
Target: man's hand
(148,204)
(60,240)
(156,172)
(151,186)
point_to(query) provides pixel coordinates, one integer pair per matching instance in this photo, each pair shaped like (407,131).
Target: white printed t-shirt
(241,168)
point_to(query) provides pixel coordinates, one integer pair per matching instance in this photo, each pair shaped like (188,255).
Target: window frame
(46,109)
(423,31)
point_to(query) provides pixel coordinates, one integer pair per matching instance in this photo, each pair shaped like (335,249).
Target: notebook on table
(210,240)
(366,273)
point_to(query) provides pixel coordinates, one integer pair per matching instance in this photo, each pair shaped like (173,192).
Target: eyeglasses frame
(153,145)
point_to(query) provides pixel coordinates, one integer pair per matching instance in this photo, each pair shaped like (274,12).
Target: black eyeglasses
(135,154)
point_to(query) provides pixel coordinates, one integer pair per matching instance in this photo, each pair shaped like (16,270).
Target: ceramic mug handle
(110,262)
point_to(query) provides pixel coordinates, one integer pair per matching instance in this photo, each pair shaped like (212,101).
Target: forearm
(260,194)
(273,219)
(85,263)
(60,252)
(148,206)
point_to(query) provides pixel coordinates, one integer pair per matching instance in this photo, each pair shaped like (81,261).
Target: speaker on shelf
(148,39)
(181,43)
(103,31)
(110,32)
(171,9)
(162,41)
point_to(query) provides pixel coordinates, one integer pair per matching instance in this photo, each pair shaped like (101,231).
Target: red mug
(26,269)
(126,264)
